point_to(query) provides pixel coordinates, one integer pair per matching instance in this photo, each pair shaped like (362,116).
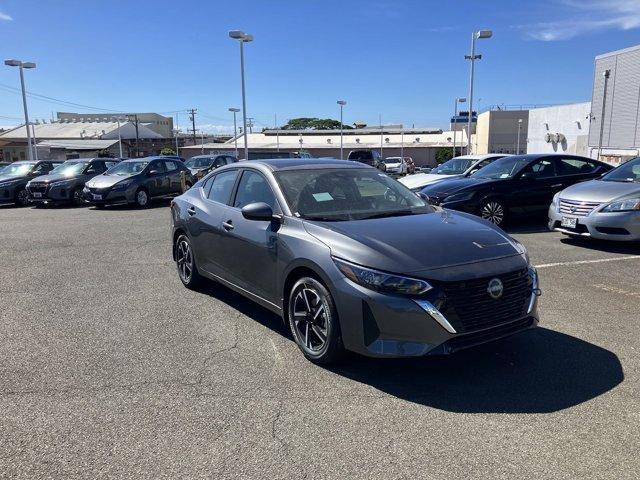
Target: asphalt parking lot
(109,367)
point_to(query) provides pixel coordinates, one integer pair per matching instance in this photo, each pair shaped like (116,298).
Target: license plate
(569,222)
(37,195)
(97,197)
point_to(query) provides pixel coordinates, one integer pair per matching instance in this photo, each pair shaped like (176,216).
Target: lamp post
(235,128)
(606,74)
(22,65)
(472,58)
(518,144)
(455,116)
(176,132)
(243,38)
(120,137)
(342,103)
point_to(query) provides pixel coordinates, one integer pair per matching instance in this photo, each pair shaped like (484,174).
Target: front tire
(76,197)
(313,321)
(22,198)
(494,211)
(186,263)
(142,198)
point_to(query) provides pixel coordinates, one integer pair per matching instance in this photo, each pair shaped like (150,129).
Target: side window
(575,166)
(218,162)
(230,160)
(110,164)
(170,166)
(222,186)
(544,168)
(253,188)
(96,167)
(158,166)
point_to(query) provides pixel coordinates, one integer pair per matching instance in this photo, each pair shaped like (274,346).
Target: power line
(40,97)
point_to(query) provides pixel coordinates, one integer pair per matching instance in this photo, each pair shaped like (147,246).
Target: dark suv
(64,183)
(368,157)
(138,180)
(200,165)
(14,179)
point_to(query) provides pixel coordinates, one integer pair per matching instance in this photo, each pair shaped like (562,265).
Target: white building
(559,129)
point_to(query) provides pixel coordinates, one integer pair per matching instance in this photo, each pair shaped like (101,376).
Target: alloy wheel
(493,211)
(184,260)
(310,318)
(77,197)
(142,198)
(23,197)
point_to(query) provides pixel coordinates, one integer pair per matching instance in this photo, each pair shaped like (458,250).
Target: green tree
(313,123)
(167,151)
(443,154)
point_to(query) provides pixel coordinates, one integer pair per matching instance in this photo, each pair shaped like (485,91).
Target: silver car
(607,208)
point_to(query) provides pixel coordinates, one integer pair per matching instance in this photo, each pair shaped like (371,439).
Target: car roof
(276,164)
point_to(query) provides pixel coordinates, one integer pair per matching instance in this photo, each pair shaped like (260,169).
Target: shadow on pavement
(629,248)
(536,371)
(527,225)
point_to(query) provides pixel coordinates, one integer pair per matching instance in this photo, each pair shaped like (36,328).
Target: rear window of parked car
(222,186)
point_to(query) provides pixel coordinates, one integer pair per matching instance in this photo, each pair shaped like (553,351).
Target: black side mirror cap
(259,211)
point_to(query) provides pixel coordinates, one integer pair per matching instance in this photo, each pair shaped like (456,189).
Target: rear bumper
(619,226)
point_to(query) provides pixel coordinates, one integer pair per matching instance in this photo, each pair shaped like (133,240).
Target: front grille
(99,191)
(469,306)
(39,187)
(576,208)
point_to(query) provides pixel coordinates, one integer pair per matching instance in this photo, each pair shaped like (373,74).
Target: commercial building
(153,121)
(421,144)
(616,85)
(501,131)
(559,129)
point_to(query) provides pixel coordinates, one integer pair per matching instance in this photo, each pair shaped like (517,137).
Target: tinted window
(253,188)
(575,166)
(222,186)
(170,166)
(544,168)
(157,166)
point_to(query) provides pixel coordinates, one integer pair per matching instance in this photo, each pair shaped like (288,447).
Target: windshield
(199,162)
(126,169)
(18,169)
(392,160)
(505,167)
(455,166)
(347,194)
(627,172)
(69,168)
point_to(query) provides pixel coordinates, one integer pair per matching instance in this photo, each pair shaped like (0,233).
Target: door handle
(228,225)
(191,211)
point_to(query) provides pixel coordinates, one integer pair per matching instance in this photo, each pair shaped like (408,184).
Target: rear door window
(170,166)
(222,186)
(575,166)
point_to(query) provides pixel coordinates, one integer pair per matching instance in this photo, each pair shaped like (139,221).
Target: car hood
(53,178)
(415,243)
(454,185)
(600,191)
(420,180)
(104,181)
(9,178)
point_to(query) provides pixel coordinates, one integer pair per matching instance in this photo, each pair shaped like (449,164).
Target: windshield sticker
(322,197)
(504,175)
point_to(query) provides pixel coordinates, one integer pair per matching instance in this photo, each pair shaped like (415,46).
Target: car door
(173,177)
(157,181)
(205,224)
(534,187)
(250,246)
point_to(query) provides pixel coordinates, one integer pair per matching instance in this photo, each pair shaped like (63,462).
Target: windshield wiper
(393,213)
(322,218)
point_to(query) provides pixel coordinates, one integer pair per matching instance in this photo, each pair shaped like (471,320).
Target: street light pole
(606,74)
(22,65)
(342,103)
(518,144)
(119,137)
(235,128)
(473,57)
(243,38)
(455,116)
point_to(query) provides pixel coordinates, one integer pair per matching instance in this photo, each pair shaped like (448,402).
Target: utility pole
(135,123)
(250,124)
(192,117)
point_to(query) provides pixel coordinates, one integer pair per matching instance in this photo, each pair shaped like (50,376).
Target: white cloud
(215,129)
(585,16)
(4,16)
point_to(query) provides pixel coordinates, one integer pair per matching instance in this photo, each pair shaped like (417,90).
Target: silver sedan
(607,208)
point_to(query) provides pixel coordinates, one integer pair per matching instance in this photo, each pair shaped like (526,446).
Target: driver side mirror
(527,176)
(153,172)
(259,211)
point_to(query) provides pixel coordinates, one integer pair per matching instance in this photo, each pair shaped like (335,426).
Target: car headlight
(627,205)
(556,197)
(459,197)
(381,281)
(122,185)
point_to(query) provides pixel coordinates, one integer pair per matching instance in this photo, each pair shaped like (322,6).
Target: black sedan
(14,179)
(330,246)
(514,186)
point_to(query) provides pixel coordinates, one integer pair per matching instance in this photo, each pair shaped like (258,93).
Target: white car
(395,165)
(462,166)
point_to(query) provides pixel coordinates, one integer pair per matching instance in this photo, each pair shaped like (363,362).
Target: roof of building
(77,144)
(618,52)
(81,130)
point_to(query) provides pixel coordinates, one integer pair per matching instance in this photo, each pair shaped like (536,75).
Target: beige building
(153,121)
(497,131)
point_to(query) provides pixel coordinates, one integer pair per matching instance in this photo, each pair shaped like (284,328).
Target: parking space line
(582,262)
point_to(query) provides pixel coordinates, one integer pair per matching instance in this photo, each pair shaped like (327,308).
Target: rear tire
(186,263)
(494,211)
(313,321)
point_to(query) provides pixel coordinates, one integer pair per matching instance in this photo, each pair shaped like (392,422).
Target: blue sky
(401,59)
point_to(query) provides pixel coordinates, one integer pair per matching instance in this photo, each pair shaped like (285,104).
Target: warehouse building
(153,121)
(501,130)
(559,129)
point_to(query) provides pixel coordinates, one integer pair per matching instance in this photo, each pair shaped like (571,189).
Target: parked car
(4,164)
(514,186)
(330,246)
(202,164)
(606,208)
(463,166)
(64,184)
(368,157)
(136,181)
(173,157)
(14,179)
(395,165)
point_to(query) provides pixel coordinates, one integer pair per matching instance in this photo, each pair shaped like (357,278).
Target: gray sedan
(607,208)
(352,260)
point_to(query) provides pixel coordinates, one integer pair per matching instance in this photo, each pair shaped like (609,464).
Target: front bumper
(107,196)
(382,325)
(50,194)
(620,226)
